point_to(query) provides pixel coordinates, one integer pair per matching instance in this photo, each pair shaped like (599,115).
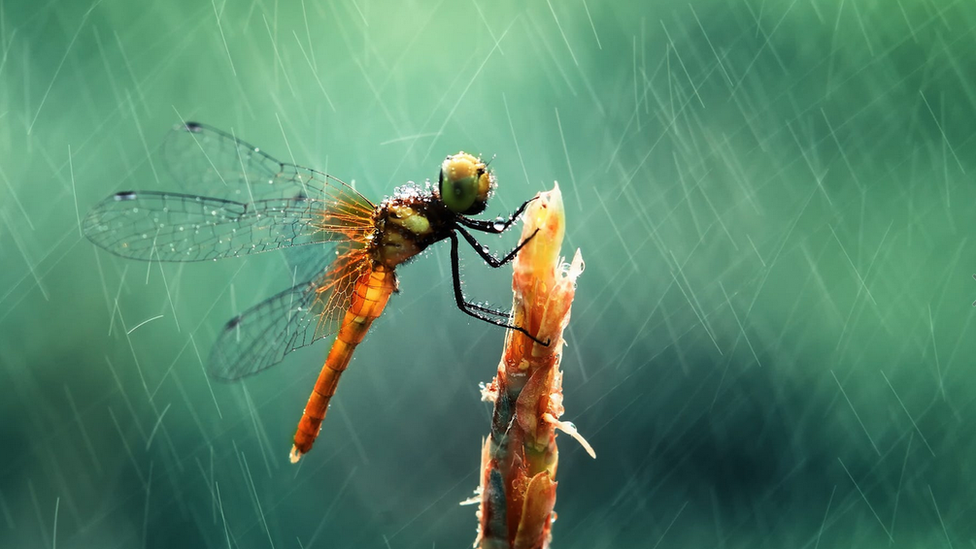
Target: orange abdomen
(369,297)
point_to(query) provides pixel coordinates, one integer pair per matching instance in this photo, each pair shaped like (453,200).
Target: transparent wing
(264,334)
(211,161)
(275,205)
(177,227)
(308,262)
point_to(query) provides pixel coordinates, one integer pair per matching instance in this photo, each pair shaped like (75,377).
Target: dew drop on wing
(124,196)
(499,223)
(193,127)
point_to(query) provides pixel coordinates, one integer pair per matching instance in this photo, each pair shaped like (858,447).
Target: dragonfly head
(465,184)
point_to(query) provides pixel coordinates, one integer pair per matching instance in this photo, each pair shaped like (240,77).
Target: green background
(771,346)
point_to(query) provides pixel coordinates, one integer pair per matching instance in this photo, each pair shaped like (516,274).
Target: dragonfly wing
(262,336)
(308,262)
(177,227)
(211,161)
(273,205)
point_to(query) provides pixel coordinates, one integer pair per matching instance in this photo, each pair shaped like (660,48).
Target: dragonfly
(349,247)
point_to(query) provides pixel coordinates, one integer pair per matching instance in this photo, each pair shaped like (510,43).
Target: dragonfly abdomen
(369,297)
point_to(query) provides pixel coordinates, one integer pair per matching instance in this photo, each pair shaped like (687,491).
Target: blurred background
(771,346)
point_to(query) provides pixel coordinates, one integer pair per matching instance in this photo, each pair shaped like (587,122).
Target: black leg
(477,311)
(492,226)
(487,255)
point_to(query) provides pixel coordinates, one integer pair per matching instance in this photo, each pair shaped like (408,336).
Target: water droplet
(499,224)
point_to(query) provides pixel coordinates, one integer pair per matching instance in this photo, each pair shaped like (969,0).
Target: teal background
(772,344)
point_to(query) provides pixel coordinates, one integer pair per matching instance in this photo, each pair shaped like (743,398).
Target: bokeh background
(772,344)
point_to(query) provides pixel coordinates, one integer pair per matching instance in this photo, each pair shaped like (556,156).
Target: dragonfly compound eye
(465,184)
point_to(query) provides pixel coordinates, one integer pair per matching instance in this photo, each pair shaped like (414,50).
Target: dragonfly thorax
(406,224)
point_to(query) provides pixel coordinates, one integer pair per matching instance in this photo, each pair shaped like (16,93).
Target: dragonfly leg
(477,311)
(487,255)
(492,226)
